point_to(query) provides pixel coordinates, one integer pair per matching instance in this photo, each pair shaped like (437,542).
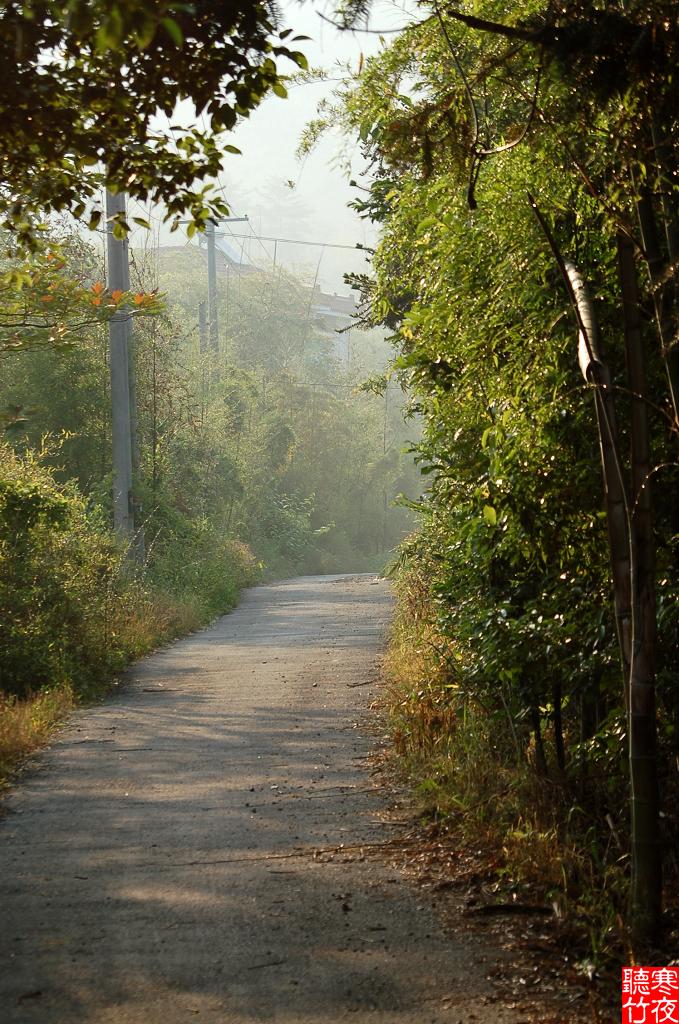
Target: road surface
(177,854)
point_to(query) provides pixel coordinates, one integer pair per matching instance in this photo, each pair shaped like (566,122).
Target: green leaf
(425,224)
(279,89)
(146,33)
(173,30)
(490,515)
(110,32)
(365,130)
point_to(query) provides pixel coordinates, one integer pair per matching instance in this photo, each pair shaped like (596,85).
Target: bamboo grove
(526,183)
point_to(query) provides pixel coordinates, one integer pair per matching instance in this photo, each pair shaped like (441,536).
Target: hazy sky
(256,182)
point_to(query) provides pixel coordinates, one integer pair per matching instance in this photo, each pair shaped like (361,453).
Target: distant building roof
(333,307)
(234,257)
(229,257)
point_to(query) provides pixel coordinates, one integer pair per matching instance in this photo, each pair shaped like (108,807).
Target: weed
(27,724)
(542,838)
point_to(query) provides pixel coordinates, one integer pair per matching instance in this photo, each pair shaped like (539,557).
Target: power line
(325,384)
(302,241)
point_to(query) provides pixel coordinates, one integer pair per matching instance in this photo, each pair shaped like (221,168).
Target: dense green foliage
(72,611)
(462,116)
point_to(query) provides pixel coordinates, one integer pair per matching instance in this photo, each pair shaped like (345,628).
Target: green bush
(201,566)
(72,610)
(60,578)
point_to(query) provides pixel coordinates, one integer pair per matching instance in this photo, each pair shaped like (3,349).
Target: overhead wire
(222,189)
(260,239)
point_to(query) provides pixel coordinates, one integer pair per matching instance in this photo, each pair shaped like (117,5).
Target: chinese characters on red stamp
(650,995)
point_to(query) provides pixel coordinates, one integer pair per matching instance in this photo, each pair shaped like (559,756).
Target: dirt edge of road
(537,976)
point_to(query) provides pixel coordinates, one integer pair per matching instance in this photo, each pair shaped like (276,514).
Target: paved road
(157,866)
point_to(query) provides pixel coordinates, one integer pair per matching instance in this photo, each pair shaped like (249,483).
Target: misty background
(285,196)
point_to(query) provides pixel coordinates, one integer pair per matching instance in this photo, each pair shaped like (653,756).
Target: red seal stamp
(650,995)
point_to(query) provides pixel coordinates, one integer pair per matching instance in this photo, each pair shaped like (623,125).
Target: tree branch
(524,133)
(509,31)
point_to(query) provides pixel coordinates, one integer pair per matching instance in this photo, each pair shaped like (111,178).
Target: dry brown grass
(531,838)
(26,725)
(153,618)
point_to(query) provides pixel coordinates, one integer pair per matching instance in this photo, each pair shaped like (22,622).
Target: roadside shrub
(202,569)
(72,609)
(60,579)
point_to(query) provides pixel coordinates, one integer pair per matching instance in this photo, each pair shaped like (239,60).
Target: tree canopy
(473,123)
(83,82)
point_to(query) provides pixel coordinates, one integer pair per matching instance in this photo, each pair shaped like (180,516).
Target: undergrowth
(544,837)
(73,609)
(26,725)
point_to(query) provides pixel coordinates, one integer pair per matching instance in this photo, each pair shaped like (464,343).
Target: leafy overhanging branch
(44,306)
(83,86)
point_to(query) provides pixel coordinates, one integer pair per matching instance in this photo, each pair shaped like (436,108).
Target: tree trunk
(595,371)
(646,892)
(540,757)
(558,728)
(662,294)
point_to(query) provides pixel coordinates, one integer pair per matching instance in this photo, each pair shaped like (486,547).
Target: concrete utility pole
(134,438)
(139,538)
(212,285)
(118,277)
(202,327)
(211,239)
